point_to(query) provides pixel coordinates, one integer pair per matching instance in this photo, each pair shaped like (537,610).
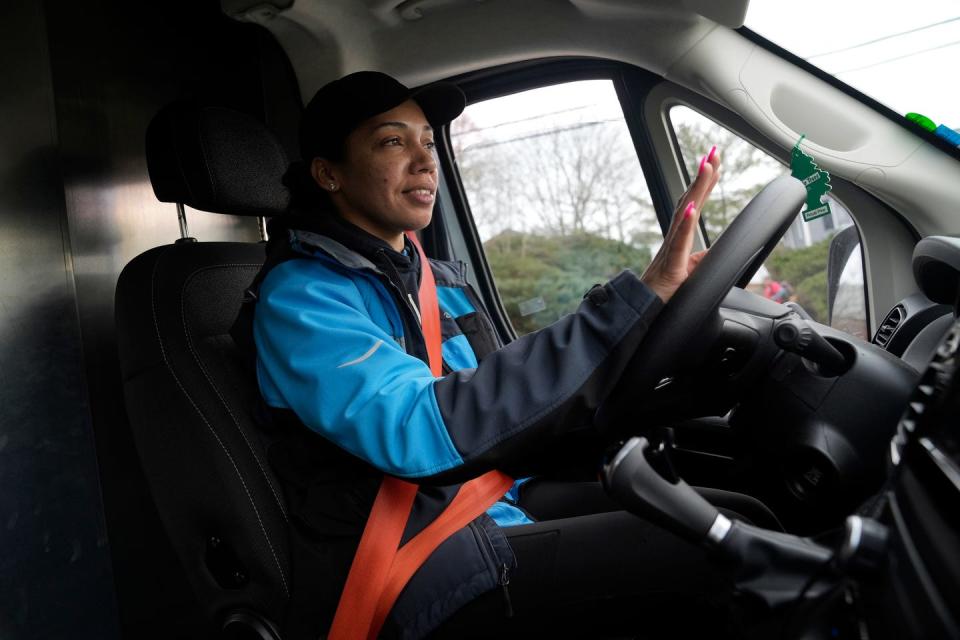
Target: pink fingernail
(703,161)
(688,212)
(712,151)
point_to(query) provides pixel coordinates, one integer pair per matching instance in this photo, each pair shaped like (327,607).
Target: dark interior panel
(77,523)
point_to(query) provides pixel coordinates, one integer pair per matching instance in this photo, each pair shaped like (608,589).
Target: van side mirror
(841,248)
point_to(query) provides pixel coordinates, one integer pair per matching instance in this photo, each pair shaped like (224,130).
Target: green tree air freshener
(815,179)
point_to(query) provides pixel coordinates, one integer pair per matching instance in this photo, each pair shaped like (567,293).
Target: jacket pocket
(479,332)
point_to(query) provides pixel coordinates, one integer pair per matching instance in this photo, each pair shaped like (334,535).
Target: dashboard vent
(889,326)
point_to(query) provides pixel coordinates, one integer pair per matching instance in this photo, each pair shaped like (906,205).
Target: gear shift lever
(772,565)
(634,483)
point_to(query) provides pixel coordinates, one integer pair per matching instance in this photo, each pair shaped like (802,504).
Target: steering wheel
(674,339)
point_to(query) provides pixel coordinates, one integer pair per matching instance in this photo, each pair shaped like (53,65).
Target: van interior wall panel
(84,551)
(53,543)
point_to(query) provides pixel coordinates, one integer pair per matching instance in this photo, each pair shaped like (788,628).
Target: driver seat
(190,396)
(192,401)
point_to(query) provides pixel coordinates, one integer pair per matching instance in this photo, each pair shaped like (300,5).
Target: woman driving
(344,366)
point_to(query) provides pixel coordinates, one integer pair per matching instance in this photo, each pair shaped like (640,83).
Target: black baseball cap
(340,106)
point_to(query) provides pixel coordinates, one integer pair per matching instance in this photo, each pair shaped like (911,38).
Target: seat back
(191,400)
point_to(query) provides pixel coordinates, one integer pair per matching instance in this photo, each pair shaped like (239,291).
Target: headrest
(216,160)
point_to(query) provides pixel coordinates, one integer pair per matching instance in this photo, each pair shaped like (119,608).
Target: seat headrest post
(182,219)
(262,227)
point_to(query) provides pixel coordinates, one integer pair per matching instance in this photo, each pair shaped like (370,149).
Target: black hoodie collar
(349,235)
(403,269)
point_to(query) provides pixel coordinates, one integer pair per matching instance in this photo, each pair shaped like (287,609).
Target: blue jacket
(339,352)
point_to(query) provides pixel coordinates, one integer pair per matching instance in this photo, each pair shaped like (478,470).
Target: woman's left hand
(674,262)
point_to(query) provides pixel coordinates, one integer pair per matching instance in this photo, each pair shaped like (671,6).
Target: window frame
(461,238)
(645,99)
(879,226)
(780,155)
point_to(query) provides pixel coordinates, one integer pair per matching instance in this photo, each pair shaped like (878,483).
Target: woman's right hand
(674,262)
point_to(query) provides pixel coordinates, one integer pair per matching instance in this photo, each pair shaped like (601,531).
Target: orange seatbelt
(381,568)
(368,572)
(429,310)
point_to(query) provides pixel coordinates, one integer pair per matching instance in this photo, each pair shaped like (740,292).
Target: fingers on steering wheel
(680,243)
(694,260)
(704,183)
(713,159)
(697,193)
(707,176)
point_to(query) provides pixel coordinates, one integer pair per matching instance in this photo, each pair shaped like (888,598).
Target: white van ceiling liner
(423,40)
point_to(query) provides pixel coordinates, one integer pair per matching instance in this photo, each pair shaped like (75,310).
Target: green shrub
(805,270)
(557,269)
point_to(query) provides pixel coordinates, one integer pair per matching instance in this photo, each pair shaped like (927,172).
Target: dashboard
(912,329)
(917,595)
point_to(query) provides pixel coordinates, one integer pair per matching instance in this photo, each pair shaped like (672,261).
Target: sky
(903,54)
(533,111)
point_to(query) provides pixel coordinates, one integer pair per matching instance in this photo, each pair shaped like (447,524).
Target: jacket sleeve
(322,354)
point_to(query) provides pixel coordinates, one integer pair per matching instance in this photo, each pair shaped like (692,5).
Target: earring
(333,186)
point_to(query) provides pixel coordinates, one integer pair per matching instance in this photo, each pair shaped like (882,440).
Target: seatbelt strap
(429,310)
(369,570)
(381,568)
(473,499)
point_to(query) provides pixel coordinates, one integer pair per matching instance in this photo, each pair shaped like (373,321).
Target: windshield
(901,54)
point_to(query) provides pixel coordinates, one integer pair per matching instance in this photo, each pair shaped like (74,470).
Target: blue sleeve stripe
(318,355)
(454,301)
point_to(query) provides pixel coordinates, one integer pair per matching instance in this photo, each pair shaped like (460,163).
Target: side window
(557,194)
(797,268)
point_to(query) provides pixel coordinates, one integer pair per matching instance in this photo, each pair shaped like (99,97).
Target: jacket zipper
(401,291)
(411,305)
(503,569)
(504,585)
